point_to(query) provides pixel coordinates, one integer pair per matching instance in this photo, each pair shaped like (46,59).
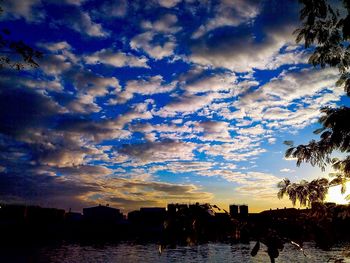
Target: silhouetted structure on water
(239,211)
(102,214)
(179,224)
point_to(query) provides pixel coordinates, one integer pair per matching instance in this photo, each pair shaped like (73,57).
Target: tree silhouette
(305,192)
(10,50)
(328,31)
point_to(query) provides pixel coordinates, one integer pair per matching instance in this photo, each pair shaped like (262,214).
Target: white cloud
(81,22)
(271,140)
(116,59)
(113,8)
(55,64)
(169,3)
(93,84)
(165,24)
(55,46)
(84,104)
(144,41)
(150,86)
(218,82)
(188,104)
(241,50)
(215,131)
(229,13)
(271,101)
(287,170)
(20,8)
(261,185)
(151,152)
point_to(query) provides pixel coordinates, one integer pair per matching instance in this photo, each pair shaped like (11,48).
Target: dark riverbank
(185,225)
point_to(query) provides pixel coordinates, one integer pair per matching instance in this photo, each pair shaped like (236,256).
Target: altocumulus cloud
(143,103)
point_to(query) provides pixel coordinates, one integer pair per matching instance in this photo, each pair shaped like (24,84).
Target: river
(148,253)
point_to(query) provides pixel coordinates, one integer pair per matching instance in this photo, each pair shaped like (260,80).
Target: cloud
(215,131)
(81,22)
(56,46)
(158,41)
(256,184)
(188,104)
(165,24)
(169,3)
(198,89)
(116,59)
(218,82)
(144,41)
(287,170)
(240,50)
(229,13)
(85,183)
(253,130)
(162,128)
(42,189)
(19,8)
(131,194)
(67,2)
(239,149)
(287,58)
(113,9)
(271,140)
(93,84)
(271,101)
(11,79)
(159,151)
(96,131)
(23,108)
(84,104)
(55,64)
(149,86)
(183,167)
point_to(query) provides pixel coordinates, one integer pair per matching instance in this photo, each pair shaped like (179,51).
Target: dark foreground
(29,234)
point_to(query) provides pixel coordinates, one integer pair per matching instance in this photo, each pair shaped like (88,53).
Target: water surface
(148,253)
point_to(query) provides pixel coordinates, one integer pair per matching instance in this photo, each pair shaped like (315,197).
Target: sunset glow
(335,195)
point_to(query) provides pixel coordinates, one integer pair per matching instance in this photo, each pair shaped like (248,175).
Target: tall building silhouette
(233,210)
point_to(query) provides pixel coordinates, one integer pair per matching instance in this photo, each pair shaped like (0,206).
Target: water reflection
(131,253)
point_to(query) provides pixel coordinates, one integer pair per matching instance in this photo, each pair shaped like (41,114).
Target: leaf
(289,152)
(289,143)
(347,197)
(318,131)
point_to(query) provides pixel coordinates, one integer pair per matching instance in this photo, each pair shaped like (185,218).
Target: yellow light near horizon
(335,196)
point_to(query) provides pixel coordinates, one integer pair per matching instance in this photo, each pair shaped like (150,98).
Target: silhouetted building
(13,213)
(35,214)
(174,208)
(134,217)
(234,211)
(73,216)
(243,210)
(171,209)
(102,214)
(38,214)
(284,214)
(148,216)
(153,215)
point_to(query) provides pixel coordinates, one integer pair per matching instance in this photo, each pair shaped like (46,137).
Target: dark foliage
(16,54)
(328,32)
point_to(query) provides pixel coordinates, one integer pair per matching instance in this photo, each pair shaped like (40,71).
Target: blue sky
(142,103)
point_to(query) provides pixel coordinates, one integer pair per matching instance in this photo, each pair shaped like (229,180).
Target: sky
(143,103)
